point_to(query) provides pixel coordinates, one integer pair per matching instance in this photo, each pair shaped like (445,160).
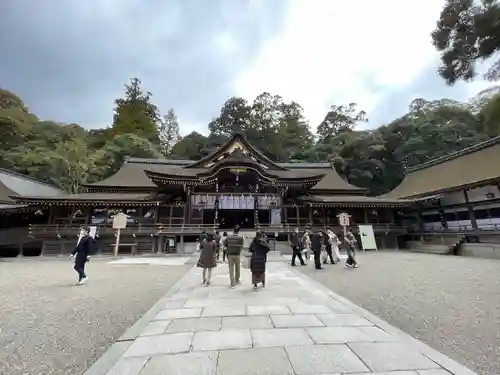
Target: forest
(68,155)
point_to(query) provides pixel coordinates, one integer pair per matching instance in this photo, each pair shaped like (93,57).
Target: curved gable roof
(237,141)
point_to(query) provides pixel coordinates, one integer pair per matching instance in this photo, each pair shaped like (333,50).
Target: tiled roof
(16,184)
(462,169)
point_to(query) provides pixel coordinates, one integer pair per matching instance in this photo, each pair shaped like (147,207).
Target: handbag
(324,256)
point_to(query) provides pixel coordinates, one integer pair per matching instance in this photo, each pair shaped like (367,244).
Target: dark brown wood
(470,208)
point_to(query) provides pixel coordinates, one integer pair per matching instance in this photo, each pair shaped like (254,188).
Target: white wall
(479,194)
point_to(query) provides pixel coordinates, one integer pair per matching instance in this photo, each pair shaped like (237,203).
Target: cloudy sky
(69,60)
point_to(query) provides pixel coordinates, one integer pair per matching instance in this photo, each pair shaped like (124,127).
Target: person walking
(234,245)
(259,249)
(224,249)
(306,244)
(351,244)
(296,248)
(332,249)
(207,259)
(335,242)
(81,253)
(217,244)
(328,248)
(316,246)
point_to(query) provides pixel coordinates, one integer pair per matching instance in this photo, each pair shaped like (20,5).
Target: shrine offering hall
(169,203)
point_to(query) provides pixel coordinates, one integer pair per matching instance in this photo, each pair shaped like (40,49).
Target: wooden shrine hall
(173,201)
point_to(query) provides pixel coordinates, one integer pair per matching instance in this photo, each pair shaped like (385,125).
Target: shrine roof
(139,173)
(93,198)
(354,201)
(16,184)
(472,166)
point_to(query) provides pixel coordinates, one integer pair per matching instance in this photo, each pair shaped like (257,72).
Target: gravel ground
(49,326)
(450,303)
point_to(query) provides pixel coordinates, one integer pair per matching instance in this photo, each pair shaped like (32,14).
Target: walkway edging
(447,363)
(111,356)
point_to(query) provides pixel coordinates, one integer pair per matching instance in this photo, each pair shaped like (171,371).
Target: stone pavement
(293,326)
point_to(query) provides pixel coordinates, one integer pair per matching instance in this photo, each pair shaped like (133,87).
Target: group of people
(324,245)
(231,246)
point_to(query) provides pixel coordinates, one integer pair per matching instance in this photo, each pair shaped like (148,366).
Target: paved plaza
(293,326)
(49,326)
(451,303)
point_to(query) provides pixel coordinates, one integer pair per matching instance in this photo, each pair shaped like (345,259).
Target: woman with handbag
(208,258)
(259,249)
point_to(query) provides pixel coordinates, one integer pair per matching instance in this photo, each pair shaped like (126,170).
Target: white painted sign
(367,235)
(120,221)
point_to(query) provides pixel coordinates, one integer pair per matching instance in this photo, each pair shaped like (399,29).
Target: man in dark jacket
(82,255)
(297,247)
(316,244)
(234,244)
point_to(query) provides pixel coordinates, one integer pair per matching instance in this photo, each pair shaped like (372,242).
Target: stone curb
(447,363)
(111,356)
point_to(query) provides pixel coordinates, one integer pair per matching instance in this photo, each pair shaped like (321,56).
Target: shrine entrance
(229,218)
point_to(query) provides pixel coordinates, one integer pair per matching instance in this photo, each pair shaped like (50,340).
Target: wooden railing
(186,229)
(465,229)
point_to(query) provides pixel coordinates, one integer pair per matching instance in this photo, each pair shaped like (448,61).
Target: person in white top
(334,242)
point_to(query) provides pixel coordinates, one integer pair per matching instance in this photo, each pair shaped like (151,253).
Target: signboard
(120,221)
(344,219)
(367,235)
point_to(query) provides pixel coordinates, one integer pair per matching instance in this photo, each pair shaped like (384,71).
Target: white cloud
(337,52)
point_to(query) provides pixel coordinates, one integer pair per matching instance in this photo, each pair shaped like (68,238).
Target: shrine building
(170,202)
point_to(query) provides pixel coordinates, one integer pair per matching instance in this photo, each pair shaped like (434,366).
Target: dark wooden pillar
(444,222)
(472,215)
(365,216)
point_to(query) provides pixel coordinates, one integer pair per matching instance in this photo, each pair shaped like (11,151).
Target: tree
(113,153)
(340,118)
(191,147)
(135,113)
(490,117)
(169,132)
(234,117)
(466,32)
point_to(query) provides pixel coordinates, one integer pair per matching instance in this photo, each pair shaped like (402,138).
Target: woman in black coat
(259,249)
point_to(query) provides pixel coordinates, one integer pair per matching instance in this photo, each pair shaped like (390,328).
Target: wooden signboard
(344,221)
(119,222)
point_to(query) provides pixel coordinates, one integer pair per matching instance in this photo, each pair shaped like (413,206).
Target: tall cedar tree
(135,114)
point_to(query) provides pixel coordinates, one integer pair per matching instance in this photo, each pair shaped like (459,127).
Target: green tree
(340,118)
(135,114)
(113,153)
(169,132)
(490,117)
(466,32)
(191,147)
(234,117)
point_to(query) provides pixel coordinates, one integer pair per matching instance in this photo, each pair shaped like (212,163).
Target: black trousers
(317,260)
(80,269)
(330,254)
(297,254)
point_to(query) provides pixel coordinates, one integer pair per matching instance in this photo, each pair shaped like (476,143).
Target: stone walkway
(293,326)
